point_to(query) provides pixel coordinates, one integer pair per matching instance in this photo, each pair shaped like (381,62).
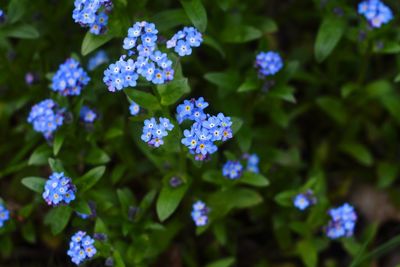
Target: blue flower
(134,109)
(200,213)
(184,40)
(342,222)
(153,132)
(304,200)
(59,189)
(87,115)
(205,130)
(46,117)
(120,74)
(92,14)
(98,59)
(268,63)
(2,16)
(252,162)
(4,215)
(70,78)
(232,169)
(81,248)
(376,12)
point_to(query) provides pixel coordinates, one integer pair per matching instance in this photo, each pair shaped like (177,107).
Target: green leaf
(28,232)
(397,78)
(308,253)
(284,92)
(236,124)
(56,165)
(40,155)
(329,34)
(81,206)
(240,34)
(226,80)
(285,198)
(58,142)
(333,107)
(196,13)
(16,9)
(143,99)
(211,42)
(97,156)
(123,2)
(358,152)
(251,83)
(168,200)
(118,260)
(389,47)
(227,262)
(22,31)
(58,218)
(169,19)
(34,183)
(91,42)
(171,92)
(89,179)
(254,179)
(387,173)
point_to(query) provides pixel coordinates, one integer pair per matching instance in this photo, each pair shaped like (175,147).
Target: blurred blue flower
(92,14)
(81,248)
(59,189)
(268,63)
(4,215)
(252,162)
(98,59)
(2,16)
(87,115)
(376,12)
(46,117)
(342,223)
(70,78)
(134,108)
(303,200)
(232,169)
(200,213)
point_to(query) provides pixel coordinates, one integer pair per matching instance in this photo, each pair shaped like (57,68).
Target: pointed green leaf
(329,34)
(196,13)
(34,183)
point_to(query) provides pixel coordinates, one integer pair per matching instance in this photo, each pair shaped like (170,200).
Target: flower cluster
(92,14)
(150,63)
(134,108)
(268,63)
(205,130)
(98,59)
(70,78)
(342,223)
(153,132)
(200,213)
(376,12)
(4,215)
(59,189)
(232,169)
(184,40)
(252,162)
(46,117)
(304,200)
(87,115)
(81,247)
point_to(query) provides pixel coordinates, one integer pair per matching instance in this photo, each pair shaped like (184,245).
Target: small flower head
(4,215)
(134,109)
(184,40)
(59,189)
(342,222)
(304,200)
(92,14)
(70,78)
(31,78)
(376,12)
(200,213)
(87,115)
(252,162)
(2,16)
(232,169)
(154,132)
(81,248)
(46,117)
(98,59)
(268,63)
